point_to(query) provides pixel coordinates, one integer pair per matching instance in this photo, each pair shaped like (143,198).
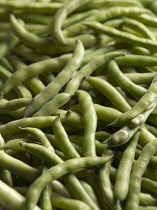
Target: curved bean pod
(62,78)
(40,136)
(34,84)
(33,7)
(143,104)
(56,172)
(6,106)
(124,36)
(138,170)
(63,141)
(9,198)
(109,92)
(19,168)
(88,69)
(5,174)
(139,27)
(38,122)
(134,60)
(50,107)
(90,191)
(124,169)
(45,200)
(90,122)
(124,82)
(68,203)
(111,13)
(149,185)
(42,152)
(125,133)
(60,17)
(33,70)
(105,182)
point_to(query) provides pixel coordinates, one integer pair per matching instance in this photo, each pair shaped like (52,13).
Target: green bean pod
(124,82)
(50,107)
(138,170)
(124,134)
(88,69)
(5,174)
(68,203)
(19,168)
(109,92)
(9,198)
(39,136)
(89,121)
(149,185)
(143,104)
(124,36)
(105,182)
(124,170)
(50,175)
(53,88)
(60,17)
(63,141)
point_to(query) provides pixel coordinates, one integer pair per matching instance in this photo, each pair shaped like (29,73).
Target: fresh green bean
(8,43)
(5,63)
(63,141)
(5,174)
(6,106)
(152,162)
(105,182)
(70,180)
(110,13)
(50,107)
(138,170)
(34,84)
(34,70)
(143,104)
(39,136)
(29,54)
(53,88)
(109,92)
(88,69)
(149,185)
(146,199)
(90,191)
(59,188)
(10,198)
(68,203)
(42,152)
(14,144)
(126,37)
(139,27)
(20,89)
(124,134)
(107,3)
(124,170)
(134,60)
(32,7)
(92,180)
(106,114)
(124,82)
(89,122)
(50,175)
(12,127)
(45,199)
(146,137)
(19,168)
(60,17)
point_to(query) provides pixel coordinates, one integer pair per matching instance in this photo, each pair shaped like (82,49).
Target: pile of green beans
(78,104)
